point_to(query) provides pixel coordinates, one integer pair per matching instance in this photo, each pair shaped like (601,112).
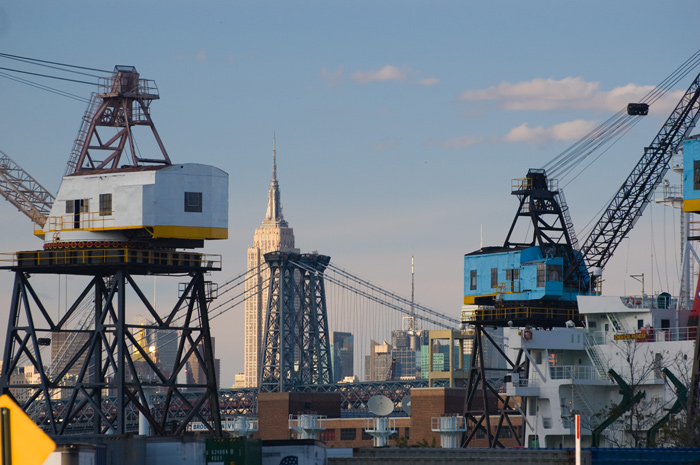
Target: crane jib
(635,194)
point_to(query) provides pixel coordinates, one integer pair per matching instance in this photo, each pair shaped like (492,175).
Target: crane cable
(62,67)
(614,127)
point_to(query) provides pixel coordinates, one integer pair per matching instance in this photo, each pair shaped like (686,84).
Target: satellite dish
(406,405)
(380,405)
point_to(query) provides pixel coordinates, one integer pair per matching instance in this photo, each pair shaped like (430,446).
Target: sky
(399,124)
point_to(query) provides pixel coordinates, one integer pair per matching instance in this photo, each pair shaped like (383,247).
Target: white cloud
(571,130)
(387,73)
(429,81)
(567,93)
(463,141)
(201,56)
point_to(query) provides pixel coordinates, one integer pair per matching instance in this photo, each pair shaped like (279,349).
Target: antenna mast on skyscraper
(412,326)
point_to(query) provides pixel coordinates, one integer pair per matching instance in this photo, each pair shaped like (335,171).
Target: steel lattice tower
(296,348)
(111,372)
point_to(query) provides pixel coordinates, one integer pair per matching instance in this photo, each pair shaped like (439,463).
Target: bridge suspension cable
(391,299)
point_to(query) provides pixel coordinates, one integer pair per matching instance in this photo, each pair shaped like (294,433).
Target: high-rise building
(274,234)
(64,347)
(378,362)
(196,373)
(160,344)
(407,352)
(342,348)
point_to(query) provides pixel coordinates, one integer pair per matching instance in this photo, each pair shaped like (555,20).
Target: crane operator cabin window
(193,202)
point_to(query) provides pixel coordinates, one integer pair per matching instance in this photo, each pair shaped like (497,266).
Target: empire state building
(274,234)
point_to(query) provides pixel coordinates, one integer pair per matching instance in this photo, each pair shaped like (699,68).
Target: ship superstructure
(631,346)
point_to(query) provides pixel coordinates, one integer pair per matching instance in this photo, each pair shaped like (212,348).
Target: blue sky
(399,125)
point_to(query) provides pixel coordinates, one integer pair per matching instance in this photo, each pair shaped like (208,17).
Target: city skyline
(401,125)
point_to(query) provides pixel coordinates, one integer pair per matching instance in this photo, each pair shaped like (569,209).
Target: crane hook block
(637,109)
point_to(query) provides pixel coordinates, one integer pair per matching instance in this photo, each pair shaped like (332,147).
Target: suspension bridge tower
(296,347)
(118,217)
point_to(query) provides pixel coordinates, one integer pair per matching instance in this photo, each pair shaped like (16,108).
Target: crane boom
(628,204)
(23,191)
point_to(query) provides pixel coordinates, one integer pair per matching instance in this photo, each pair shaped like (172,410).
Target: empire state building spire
(274,234)
(274,204)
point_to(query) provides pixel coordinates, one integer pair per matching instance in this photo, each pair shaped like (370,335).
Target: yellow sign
(29,444)
(618,337)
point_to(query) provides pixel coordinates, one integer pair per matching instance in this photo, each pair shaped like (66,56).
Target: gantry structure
(113,355)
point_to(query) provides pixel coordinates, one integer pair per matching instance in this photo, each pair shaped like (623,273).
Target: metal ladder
(567,219)
(596,357)
(95,102)
(582,403)
(617,325)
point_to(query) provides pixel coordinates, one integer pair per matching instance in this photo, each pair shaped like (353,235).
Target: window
(348,434)
(540,275)
(366,436)
(105,204)
(406,432)
(494,277)
(481,433)
(472,280)
(193,202)
(512,277)
(554,273)
(77,206)
(506,432)
(696,175)
(328,435)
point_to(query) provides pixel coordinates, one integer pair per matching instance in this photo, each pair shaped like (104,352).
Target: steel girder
(296,344)
(23,191)
(480,409)
(636,192)
(110,371)
(542,205)
(124,102)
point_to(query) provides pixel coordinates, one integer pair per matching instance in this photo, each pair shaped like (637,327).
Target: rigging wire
(610,131)
(38,62)
(46,88)
(47,76)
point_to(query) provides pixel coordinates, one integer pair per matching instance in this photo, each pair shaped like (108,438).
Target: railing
(79,141)
(108,257)
(573,372)
(568,223)
(517,313)
(646,301)
(596,357)
(88,221)
(693,228)
(527,383)
(508,287)
(617,324)
(686,333)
